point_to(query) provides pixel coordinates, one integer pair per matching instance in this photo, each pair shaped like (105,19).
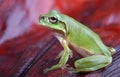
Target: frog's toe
(65,66)
(72,71)
(46,70)
(71,54)
(70,68)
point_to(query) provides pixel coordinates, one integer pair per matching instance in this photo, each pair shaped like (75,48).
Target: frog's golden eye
(53,19)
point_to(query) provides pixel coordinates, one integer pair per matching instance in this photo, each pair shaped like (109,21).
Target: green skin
(87,43)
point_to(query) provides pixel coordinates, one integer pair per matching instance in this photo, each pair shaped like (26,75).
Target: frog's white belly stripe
(80,51)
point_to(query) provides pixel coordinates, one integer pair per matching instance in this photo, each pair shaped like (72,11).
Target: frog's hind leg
(91,63)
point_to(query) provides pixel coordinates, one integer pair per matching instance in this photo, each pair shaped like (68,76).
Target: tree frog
(82,39)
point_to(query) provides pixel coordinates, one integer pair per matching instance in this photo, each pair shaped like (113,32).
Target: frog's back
(84,38)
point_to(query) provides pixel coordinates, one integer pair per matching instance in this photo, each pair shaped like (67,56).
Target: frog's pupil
(53,18)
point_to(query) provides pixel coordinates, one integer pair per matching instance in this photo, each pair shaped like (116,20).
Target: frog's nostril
(41,17)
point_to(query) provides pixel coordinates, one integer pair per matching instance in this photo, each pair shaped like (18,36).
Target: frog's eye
(53,19)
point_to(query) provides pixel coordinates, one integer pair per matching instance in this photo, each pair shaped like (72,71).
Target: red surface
(19,29)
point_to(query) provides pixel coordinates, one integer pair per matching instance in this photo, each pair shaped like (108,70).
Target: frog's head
(52,20)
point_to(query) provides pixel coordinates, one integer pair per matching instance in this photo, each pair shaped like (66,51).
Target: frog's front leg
(64,57)
(91,63)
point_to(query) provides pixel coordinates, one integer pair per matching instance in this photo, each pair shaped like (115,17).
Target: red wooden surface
(26,48)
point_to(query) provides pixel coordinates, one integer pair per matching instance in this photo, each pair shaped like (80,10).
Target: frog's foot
(71,70)
(71,54)
(54,67)
(65,66)
(46,70)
